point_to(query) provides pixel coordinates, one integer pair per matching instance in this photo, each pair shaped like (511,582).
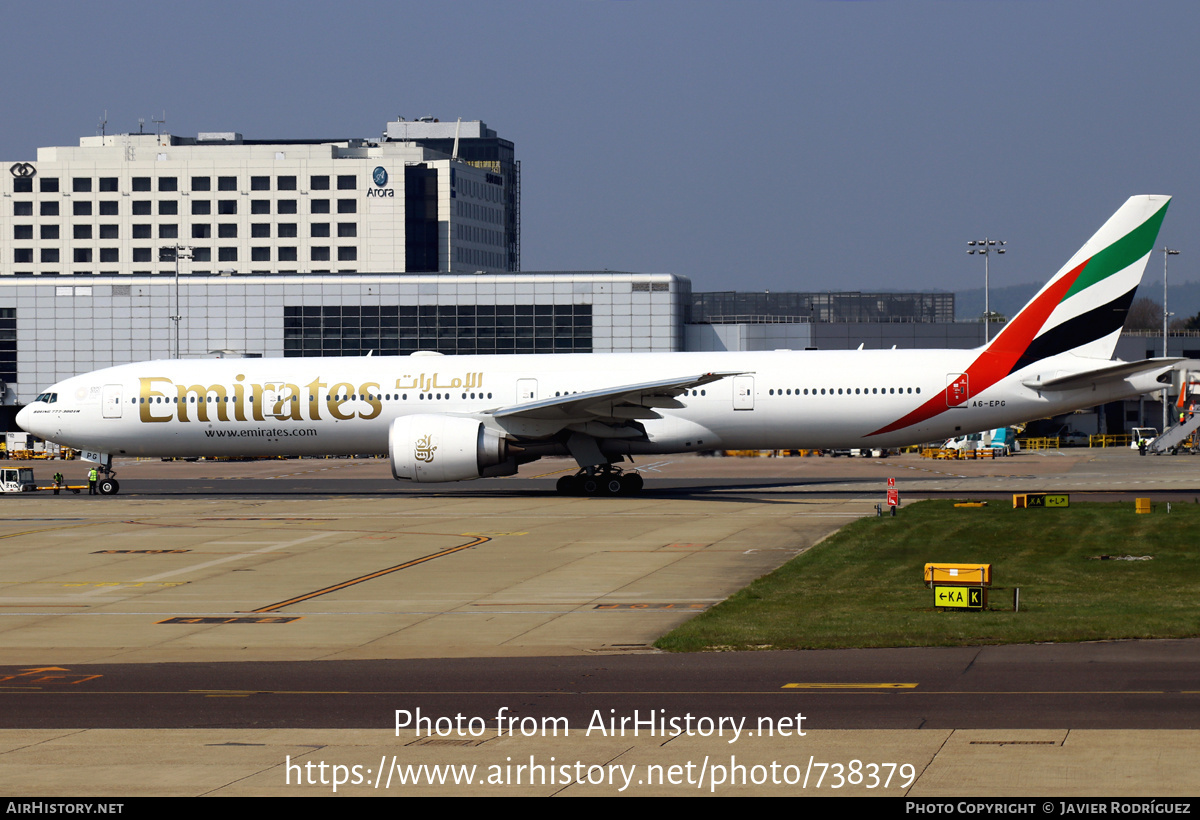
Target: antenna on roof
(103,123)
(454,156)
(161,122)
(141,125)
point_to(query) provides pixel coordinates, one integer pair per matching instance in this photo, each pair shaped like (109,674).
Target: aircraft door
(958,389)
(743,392)
(272,392)
(526,390)
(111,401)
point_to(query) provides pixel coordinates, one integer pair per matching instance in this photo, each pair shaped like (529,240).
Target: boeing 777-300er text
(449,418)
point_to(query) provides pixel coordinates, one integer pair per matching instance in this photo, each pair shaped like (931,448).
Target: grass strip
(863,587)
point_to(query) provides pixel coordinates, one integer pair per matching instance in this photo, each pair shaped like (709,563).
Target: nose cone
(39,423)
(25,419)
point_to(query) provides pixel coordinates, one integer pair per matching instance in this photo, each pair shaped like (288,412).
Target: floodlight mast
(1165,252)
(176,252)
(986,247)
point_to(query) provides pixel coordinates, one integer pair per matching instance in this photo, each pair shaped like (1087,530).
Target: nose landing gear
(108,484)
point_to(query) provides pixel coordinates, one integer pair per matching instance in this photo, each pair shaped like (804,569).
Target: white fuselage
(782,399)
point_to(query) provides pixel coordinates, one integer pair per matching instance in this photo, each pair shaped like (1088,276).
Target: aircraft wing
(623,403)
(1117,372)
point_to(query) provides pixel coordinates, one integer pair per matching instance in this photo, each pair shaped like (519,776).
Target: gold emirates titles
(288,403)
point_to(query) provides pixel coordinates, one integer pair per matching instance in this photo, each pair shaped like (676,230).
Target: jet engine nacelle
(429,447)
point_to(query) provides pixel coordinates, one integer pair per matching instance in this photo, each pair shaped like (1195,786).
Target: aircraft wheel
(612,485)
(567,485)
(631,483)
(590,485)
(108,486)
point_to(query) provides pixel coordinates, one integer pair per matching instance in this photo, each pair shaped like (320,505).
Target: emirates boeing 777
(449,418)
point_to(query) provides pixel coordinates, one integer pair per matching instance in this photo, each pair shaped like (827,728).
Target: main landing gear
(607,480)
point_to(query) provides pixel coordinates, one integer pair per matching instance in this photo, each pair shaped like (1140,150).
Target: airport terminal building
(55,327)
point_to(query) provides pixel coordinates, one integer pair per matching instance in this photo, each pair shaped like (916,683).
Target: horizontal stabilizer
(1116,372)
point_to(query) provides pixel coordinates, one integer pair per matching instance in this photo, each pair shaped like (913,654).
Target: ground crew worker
(93,475)
(1141,447)
(58,480)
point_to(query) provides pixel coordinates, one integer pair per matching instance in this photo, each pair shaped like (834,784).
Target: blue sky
(773,145)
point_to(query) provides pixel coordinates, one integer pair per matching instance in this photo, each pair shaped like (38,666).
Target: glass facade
(8,345)
(451,329)
(724,307)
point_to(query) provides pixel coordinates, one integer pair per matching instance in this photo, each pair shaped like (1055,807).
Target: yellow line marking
(34,690)
(273,607)
(216,694)
(93,583)
(850,686)
(51,529)
(556,472)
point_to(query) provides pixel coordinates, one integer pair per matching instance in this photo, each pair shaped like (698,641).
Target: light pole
(176,252)
(1165,252)
(985,247)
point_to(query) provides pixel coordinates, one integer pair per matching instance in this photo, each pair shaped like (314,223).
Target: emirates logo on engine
(423,450)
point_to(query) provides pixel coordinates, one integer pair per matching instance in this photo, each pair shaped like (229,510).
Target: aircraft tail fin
(1081,311)
(1083,308)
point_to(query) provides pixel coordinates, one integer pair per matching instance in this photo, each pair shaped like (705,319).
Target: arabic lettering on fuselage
(161,399)
(424,383)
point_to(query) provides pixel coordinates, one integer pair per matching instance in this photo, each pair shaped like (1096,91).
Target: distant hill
(1183,299)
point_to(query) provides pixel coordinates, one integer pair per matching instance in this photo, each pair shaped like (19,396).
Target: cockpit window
(48,398)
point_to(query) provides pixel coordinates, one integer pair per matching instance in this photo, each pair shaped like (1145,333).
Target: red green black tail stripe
(1019,344)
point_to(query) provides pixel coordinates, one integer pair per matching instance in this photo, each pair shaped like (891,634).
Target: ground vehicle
(17,480)
(1071,438)
(1001,439)
(1139,434)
